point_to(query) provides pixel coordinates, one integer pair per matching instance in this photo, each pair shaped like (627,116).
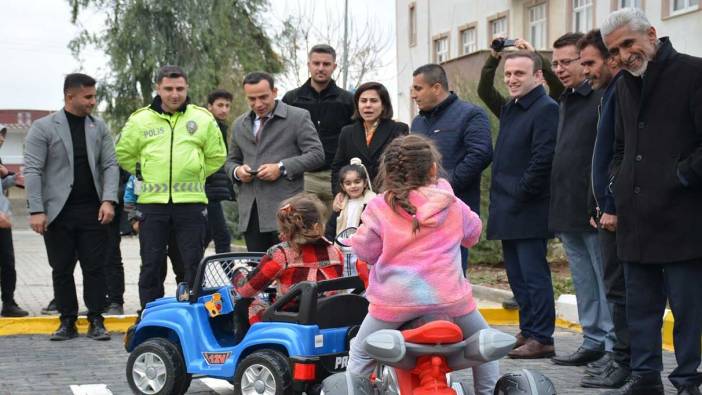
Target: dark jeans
(114,268)
(217,228)
(616,295)
(257,241)
(187,221)
(76,233)
(648,288)
(530,279)
(465,256)
(8,275)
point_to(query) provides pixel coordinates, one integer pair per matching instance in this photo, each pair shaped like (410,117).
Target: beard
(641,70)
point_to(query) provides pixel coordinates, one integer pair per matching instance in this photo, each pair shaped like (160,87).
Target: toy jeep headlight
(183,292)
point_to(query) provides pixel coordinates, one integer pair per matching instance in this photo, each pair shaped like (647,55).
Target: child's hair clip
(286,209)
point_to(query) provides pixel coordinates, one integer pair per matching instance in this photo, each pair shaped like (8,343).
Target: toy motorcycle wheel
(156,367)
(264,372)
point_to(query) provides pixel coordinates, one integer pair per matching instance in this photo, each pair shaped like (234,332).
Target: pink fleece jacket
(413,274)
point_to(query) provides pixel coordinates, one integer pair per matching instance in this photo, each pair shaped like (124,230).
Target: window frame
(434,42)
(462,44)
(528,7)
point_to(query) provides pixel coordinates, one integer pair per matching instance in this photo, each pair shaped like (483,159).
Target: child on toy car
(303,255)
(411,236)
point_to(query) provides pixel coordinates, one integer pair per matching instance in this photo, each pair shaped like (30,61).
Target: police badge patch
(191,126)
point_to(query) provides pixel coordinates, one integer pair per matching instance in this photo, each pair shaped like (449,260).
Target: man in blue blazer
(519,199)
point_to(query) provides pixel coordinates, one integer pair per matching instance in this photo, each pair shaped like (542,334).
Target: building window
(537,26)
(678,6)
(441,49)
(412,25)
(469,42)
(498,28)
(582,15)
(629,3)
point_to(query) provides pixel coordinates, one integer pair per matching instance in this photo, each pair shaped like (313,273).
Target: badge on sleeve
(191,126)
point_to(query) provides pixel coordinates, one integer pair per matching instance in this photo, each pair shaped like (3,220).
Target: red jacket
(316,261)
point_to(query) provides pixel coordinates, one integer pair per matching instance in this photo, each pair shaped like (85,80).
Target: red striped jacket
(316,261)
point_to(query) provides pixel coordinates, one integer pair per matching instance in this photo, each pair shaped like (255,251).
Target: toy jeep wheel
(156,367)
(264,372)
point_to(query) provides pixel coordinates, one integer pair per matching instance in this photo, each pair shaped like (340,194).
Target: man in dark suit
(657,191)
(519,199)
(461,131)
(272,147)
(71,178)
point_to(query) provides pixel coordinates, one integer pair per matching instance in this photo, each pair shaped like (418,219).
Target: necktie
(258,131)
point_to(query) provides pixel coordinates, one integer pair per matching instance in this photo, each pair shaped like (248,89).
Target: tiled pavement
(35,365)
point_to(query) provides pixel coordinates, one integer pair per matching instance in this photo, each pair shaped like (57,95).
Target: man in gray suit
(272,146)
(71,178)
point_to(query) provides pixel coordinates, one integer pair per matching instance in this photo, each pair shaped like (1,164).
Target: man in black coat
(330,107)
(519,197)
(612,370)
(658,194)
(218,187)
(569,215)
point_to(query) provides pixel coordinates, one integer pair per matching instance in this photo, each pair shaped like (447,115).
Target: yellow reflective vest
(175,152)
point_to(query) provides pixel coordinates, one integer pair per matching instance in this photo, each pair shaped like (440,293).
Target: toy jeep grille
(216,271)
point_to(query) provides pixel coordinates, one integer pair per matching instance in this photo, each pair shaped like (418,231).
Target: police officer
(171,146)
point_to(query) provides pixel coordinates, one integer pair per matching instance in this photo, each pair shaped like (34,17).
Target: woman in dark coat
(372,130)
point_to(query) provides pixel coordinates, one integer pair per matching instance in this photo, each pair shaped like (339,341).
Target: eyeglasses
(563,62)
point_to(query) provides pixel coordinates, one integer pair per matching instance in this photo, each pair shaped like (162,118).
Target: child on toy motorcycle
(411,236)
(303,255)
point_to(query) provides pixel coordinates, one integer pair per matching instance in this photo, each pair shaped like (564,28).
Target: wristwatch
(281,166)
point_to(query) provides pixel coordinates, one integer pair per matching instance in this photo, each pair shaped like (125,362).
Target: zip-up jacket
(330,110)
(175,152)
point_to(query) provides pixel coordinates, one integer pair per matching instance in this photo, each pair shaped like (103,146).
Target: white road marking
(90,389)
(221,387)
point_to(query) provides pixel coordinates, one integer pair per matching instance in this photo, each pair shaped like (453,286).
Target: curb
(47,325)
(566,318)
(120,324)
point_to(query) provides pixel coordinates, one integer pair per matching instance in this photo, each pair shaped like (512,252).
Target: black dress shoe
(689,390)
(10,309)
(50,309)
(510,304)
(580,357)
(67,330)
(614,376)
(640,385)
(600,363)
(97,331)
(596,370)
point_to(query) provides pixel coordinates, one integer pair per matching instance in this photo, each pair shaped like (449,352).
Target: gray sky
(34,35)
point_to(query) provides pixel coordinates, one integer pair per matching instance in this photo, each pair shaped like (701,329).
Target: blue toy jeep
(303,336)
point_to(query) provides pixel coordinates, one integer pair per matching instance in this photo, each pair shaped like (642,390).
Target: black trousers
(530,279)
(615,289)
(76,233)
(648,287)
(217,228)
(257,241)
(176,261)
(114,268)
(8,275)
(187,221)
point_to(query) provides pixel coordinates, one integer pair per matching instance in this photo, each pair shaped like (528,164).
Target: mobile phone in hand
(252,172)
